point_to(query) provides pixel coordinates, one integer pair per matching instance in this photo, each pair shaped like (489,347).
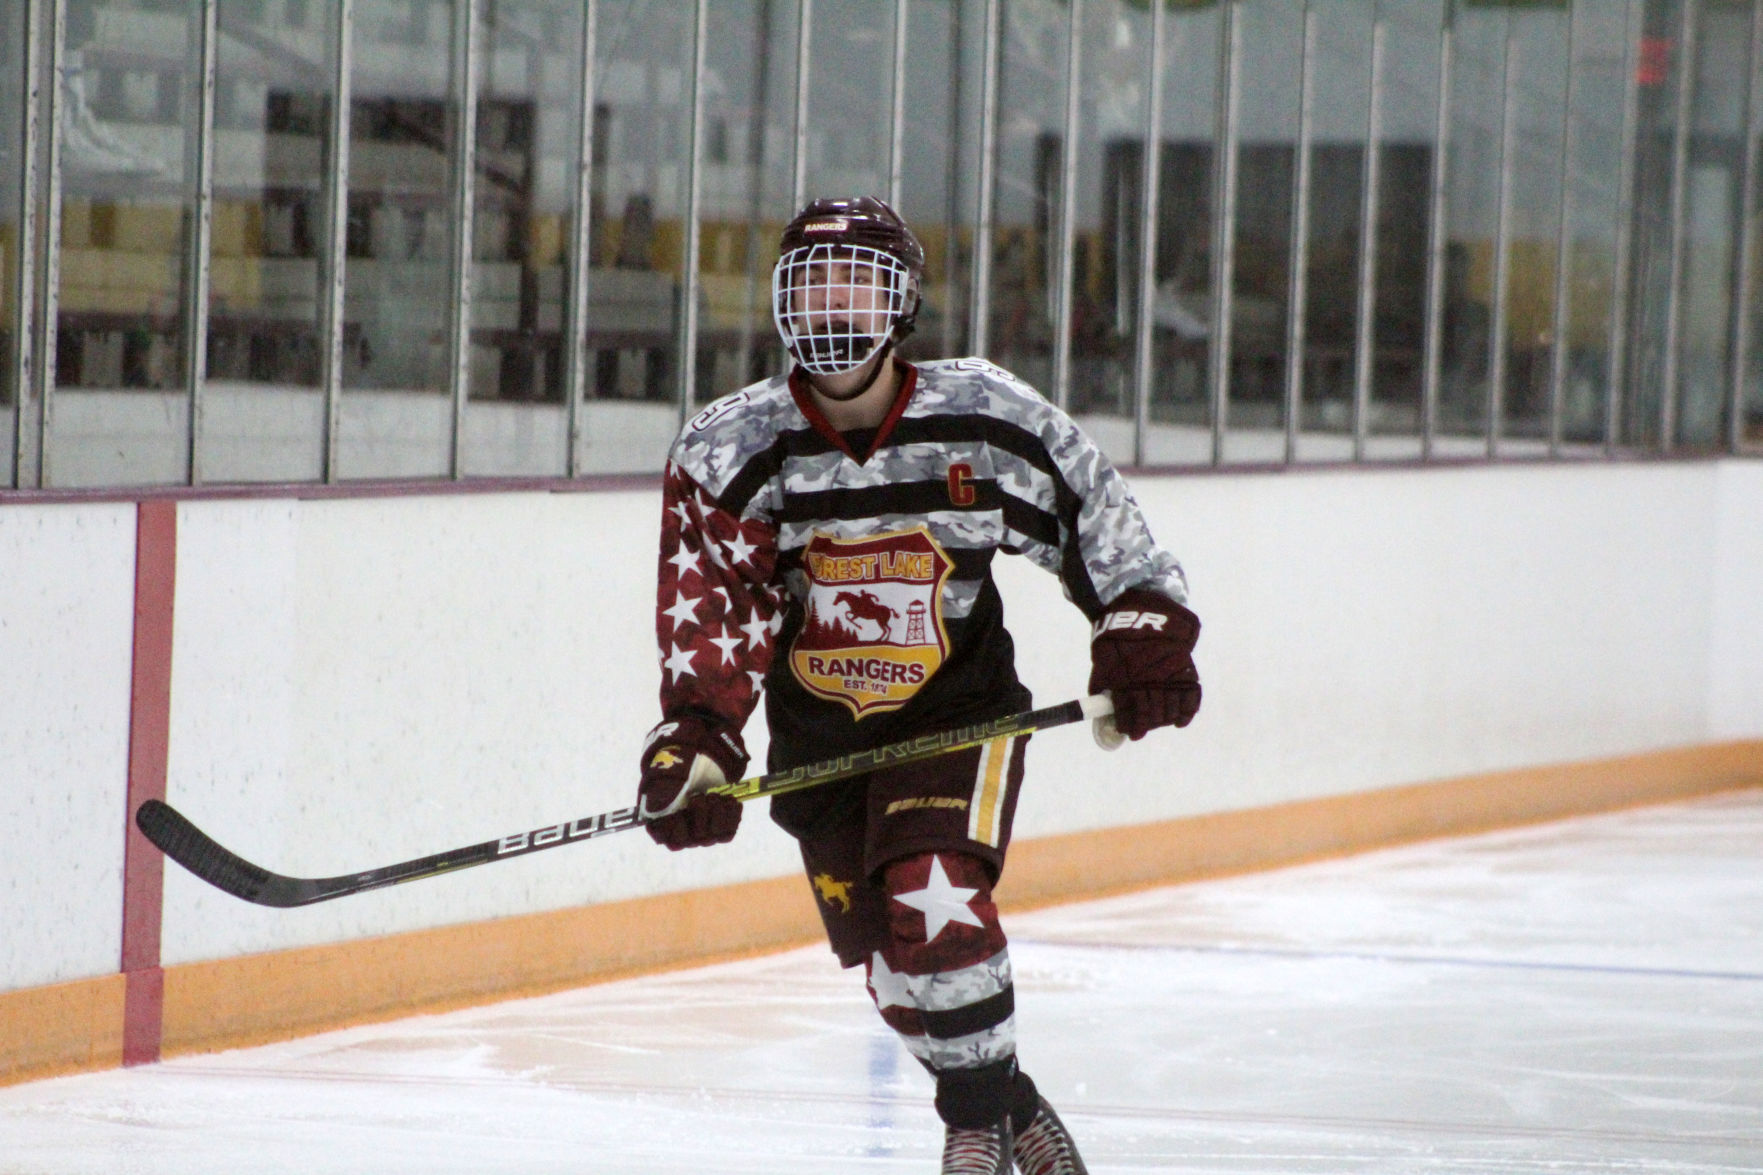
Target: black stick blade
(190,847)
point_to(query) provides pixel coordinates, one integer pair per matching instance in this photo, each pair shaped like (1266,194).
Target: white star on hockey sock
(941,902)
(888,985)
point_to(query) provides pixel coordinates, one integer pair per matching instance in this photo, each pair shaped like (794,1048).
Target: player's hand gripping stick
(1142,656)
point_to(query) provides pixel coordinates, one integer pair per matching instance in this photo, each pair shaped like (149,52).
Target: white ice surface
(1578,997)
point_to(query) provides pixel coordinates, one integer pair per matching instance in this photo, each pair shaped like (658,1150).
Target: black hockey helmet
(885,271)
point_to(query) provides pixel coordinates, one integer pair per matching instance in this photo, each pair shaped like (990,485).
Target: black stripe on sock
(977,1017)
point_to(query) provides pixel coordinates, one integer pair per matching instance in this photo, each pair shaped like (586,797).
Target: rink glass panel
(1272,45)
(746,181)
(12,166)
(1028,183)
(1472,234)
(1536,91)
(850,97)
(643,55)
(119,413)
(528,147)
(1180,409)
(1748,427)
(263,417)
(1650,301)
(939,179)
(1321,375)
(1407,151)
(1594,205)
(1113,101)
(1713,190)
(399,276)
(1750,400)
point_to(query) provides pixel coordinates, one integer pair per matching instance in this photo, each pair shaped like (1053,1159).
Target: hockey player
(827,541)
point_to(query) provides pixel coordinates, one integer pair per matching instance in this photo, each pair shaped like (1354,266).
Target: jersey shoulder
(978,385)
(720,442)
(974,386)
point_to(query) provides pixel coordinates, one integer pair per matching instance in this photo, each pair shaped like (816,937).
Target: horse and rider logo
(873,634)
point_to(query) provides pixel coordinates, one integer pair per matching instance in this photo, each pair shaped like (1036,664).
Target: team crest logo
(874,628)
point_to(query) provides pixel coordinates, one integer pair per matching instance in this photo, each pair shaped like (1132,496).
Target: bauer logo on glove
(1127,618)
(1142,656)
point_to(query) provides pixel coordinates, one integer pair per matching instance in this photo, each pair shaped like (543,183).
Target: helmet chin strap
(881,361)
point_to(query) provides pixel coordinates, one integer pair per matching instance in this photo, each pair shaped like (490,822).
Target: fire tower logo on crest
(873,634)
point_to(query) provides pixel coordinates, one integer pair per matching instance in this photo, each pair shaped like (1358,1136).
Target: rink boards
(331,683)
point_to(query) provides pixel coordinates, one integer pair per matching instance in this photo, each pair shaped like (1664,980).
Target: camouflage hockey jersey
(848,576)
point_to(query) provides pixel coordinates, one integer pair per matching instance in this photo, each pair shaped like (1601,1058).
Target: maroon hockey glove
(1141,654)
(681,757)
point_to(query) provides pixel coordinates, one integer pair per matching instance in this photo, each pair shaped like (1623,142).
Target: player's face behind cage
(835,304)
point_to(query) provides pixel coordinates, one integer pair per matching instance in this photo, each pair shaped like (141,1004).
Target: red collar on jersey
(817,419)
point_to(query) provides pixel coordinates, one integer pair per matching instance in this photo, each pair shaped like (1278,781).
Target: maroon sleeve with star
(717,611)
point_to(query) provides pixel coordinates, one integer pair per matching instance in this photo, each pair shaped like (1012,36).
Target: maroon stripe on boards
(149,738)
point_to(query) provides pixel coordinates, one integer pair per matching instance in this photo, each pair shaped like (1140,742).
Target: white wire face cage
(834,304)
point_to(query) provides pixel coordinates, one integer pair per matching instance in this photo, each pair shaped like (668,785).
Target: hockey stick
(219,866)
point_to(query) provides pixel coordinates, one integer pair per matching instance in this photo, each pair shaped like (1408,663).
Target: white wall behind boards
(1736,617)
(1373,629)
(66,647)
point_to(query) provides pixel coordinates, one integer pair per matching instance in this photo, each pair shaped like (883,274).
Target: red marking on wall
(156,526)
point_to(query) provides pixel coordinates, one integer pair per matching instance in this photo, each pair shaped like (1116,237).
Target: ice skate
(977,1152)
(1045,1148)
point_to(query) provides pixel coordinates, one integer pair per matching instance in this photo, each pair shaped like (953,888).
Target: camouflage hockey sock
(943,983)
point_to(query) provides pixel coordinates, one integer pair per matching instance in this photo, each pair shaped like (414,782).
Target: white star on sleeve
(739,549)
(889,986)
(757,678)
(684,513)
(679,663)
(776,622)
(941,902)
(684,610)
(728,644)
(758,631)
(712,550)
(685,559)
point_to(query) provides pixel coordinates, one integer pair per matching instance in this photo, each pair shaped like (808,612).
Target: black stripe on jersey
(900,497)
(999,434)
(919,498)
(975,1017)
(759,469)
(946,429)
